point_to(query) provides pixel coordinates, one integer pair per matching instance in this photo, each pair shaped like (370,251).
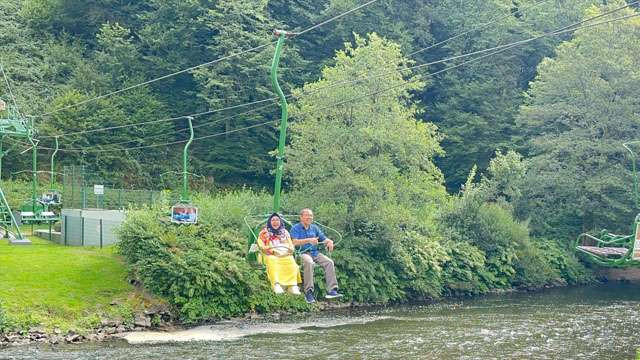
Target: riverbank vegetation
(371,175)
(450,179)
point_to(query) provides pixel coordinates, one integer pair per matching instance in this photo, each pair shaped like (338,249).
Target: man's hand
(329,244)
(313,241)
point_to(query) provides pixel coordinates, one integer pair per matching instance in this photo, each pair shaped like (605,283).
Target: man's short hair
(306,210)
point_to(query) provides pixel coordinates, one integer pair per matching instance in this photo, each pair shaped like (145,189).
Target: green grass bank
(52,286)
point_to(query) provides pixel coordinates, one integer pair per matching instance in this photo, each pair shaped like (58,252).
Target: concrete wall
(90,227)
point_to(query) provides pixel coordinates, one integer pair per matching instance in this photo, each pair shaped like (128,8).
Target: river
(592,322)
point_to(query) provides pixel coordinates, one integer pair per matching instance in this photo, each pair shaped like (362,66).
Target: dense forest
(565,102)
(516,110)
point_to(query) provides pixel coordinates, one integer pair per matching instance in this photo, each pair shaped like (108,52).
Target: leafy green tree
(475,105)
(175,36)
(117,57)
(491,248)
(36,66)
(241,157)
(359,143)
(80,18)
(114,64)
(368,165)
(458,100)
(140,167)
(579,110)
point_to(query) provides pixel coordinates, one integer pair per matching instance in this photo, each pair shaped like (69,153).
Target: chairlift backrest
(255,224)
(184,214)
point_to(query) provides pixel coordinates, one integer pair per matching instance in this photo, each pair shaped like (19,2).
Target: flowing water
(595,322)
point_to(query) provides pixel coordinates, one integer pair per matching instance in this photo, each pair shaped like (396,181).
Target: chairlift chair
(255,224)
(613,250)
(51,198)
(184,212)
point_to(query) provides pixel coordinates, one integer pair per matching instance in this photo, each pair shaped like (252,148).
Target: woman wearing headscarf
(277,249)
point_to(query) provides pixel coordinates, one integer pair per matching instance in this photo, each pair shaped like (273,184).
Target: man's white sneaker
(295,290)
(278,289)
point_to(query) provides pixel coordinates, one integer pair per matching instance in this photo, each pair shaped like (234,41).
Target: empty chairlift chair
(613,250)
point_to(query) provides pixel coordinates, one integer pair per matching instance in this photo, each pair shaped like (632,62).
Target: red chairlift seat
(183,213)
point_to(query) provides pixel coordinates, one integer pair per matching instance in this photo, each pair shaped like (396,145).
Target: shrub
(201,269)
(391,252)
(464,273)
(499,249)
(564,263)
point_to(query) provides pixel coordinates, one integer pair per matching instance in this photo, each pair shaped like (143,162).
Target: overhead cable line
(477,28)
(501,49)
(116,127)
(334,18)
(176,132)
(565,29)
(227,57)
(331,106)
(88,150)
(256,48)
(16,143)
(496,49)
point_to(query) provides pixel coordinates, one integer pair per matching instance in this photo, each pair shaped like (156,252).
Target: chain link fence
(82,190)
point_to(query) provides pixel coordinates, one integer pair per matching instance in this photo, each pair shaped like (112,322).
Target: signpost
(98,191)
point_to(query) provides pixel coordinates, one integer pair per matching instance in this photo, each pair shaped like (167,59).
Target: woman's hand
(281,250)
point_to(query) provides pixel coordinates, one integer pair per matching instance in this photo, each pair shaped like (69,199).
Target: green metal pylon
(1,155)
(11,124)
(34,169)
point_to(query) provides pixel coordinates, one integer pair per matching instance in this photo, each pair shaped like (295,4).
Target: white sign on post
(98,189)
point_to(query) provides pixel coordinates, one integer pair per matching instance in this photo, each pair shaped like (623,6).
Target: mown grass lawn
(56,286)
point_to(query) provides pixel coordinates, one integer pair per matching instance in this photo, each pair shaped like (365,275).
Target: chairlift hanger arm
(282,35)
(53,156)
(185,163)
(634,169)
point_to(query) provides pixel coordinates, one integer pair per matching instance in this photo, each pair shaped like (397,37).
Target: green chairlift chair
(184,212)
(613,250)
(255,223)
